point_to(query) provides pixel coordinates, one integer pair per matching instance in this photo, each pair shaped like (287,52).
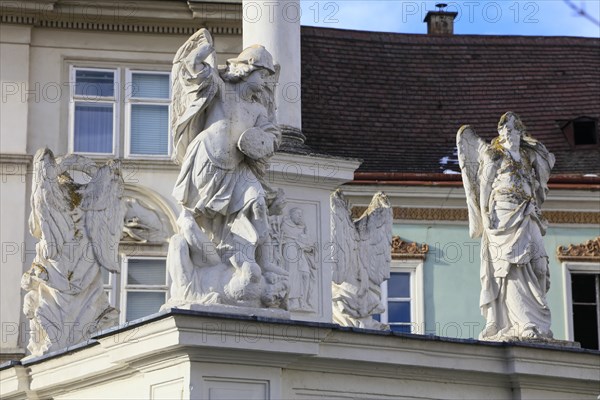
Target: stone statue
(361,261)
(224,132)
(78,227)
(298,253)
(505,184)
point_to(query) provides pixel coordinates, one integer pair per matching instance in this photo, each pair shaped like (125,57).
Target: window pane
(399,311)
(105,276)
(93,84)
(154,86)
(585,326)
(93,128)
(399,284)
(149,129)
(401,328)
(141,304)
(583,287)
(146,272)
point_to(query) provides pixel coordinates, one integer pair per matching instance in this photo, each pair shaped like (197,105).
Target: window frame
(568,268)
(114,100)
(121,102)
(417,309)
(124,287)
(129,100)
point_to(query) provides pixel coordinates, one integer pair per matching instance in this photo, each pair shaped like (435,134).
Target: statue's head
(512,120)
(297,215)
(255,56)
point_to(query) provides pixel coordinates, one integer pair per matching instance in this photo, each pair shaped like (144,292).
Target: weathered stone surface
(506,184)
(78,227)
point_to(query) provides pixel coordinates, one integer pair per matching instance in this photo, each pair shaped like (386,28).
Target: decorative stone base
(276,313)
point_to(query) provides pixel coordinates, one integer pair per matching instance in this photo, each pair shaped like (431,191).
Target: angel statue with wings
(505,184)
(224,132)
(361,261)
(78,227)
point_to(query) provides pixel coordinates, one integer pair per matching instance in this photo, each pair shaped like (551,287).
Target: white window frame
(138,288)
(417,308)
(115,101)
(129,100)
(568,268)
(121,102)
(111,288)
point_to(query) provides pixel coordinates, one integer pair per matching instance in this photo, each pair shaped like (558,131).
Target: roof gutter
(559,181)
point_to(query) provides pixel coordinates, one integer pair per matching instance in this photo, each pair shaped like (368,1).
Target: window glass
(399,311)
(94,84)
(399,285)
(93,128)
(146,272)
(149,129)
(153,86)
(141,304)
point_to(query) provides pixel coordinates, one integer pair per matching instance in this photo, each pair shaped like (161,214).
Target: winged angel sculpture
(506,184)
(224,133)
(78,227)
(362,256)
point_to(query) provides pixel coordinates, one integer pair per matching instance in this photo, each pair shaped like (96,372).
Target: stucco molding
(588,251)
(403,250)
(460,214)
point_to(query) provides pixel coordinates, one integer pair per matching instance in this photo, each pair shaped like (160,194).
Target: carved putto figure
(298,254)
(506,184)
(361,261)
(78,227)
(224,133)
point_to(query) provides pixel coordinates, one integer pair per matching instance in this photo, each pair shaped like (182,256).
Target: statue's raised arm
(195,81)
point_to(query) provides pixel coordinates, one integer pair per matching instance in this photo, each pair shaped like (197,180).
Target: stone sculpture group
(240,249)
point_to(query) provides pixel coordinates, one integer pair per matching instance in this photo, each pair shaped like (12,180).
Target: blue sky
(500,17)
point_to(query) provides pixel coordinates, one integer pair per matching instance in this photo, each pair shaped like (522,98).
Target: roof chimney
(440,22)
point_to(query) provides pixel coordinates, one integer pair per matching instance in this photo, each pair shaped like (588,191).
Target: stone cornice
(588,251)
(164,17)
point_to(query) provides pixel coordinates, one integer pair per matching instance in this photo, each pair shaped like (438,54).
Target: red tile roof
(397,100)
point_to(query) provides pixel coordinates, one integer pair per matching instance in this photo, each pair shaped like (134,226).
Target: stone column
(276,25)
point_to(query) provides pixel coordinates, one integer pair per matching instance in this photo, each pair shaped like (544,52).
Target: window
(403,296)
(584,132)
(582,291)
(581,132)
(142,288)
(99,101)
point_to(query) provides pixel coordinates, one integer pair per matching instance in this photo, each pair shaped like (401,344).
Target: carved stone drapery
(402,250)
(588,251)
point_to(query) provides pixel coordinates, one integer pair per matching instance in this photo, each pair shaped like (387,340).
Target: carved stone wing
(469,144)
(374,229)
(344,238)
(50,219)
(104,213)
(195,81)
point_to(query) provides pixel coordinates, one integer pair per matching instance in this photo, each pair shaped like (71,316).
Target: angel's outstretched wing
(104,213)
(195,81)
(375,234)
(344,238)
(469,146)
(51,202)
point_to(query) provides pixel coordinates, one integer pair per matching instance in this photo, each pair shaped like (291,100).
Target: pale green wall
(451,275)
